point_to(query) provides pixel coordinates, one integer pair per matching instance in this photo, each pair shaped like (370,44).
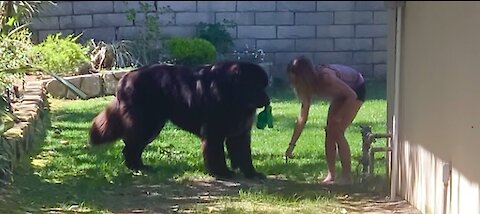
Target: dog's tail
(107,126)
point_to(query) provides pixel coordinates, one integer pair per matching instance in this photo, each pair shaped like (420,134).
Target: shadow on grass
(158,192)
(100,182)
(115,189)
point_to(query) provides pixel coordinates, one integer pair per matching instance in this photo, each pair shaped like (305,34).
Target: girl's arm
(300,124)
(301,121)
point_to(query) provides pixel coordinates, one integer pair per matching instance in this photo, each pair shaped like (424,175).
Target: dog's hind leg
(136,139)
(132,152)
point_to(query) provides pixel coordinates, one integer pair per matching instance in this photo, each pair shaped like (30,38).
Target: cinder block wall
(348,32)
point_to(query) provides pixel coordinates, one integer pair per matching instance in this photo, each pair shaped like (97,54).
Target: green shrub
(217,34)
(191,51)
(14,48)
(59,55)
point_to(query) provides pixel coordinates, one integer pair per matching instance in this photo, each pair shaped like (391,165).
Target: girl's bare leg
(343,146)
(331,132)
(339,118)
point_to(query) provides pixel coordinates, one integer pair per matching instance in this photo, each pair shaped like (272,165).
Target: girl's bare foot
(329,179)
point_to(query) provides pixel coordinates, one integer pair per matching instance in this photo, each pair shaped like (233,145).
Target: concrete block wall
(348,32)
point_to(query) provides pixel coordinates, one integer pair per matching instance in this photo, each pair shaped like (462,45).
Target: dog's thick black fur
(215,102)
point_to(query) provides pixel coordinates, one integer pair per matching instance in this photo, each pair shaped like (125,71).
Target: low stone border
(32,111)
(94,85)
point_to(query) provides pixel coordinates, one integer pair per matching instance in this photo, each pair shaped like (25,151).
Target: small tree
(146,47)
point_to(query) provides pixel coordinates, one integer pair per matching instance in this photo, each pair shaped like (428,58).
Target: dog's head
(244,82)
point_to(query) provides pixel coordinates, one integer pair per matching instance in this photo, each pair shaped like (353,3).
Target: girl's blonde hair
(301,74)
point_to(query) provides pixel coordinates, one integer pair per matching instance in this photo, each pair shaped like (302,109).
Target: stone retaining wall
(94,85)
(18,141)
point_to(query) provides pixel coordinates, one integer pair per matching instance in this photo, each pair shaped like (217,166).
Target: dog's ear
(234,69)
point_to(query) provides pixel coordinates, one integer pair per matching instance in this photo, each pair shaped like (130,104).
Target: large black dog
(216,102)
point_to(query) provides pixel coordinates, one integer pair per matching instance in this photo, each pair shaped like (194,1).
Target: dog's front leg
(240,153)
(214,157)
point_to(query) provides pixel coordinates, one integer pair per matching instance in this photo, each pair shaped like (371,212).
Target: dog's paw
(141,169)
(224,174)
(255,175)
(147,168)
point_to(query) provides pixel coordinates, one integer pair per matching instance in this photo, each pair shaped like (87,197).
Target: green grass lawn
(65,175)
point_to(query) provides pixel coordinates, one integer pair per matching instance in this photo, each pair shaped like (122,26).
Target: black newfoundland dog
(216,102)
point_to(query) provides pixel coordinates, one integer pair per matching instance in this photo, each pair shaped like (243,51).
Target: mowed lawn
(65,175)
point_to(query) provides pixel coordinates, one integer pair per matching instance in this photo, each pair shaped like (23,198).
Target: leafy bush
(191,51)
(217,34)
(59,55)
(14,60)
(14,48)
